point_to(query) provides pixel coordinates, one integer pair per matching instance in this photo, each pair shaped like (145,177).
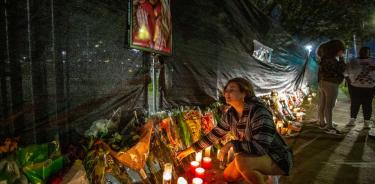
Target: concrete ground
(321,158)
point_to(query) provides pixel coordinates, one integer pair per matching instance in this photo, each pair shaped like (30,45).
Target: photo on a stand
(150,26)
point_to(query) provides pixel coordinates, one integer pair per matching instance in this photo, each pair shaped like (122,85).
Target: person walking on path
(360,74)
(330,75)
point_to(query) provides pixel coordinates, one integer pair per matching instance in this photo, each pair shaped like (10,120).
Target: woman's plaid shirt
(255,134)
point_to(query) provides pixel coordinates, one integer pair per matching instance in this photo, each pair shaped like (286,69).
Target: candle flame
(181,180)
(197,181)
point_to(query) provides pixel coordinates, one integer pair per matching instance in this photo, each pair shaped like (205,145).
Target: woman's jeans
(358,97)
(328,92)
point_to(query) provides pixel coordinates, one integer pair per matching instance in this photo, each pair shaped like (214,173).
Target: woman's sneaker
(351,122)
(332,131)
(322,125)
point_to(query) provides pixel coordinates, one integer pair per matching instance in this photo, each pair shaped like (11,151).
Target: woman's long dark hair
(332,47)
(320,51)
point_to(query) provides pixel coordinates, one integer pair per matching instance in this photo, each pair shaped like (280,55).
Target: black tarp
(213,42)
(65,64)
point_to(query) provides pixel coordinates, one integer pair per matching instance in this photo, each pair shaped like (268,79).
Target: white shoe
(333,131)
(367,124)
(371,133)
(322,126)
(334,124)
(351,122)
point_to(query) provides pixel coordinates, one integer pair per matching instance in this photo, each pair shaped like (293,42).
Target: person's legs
(322,99)
(355,101)
(331,91)
(366,101)
(254,169)
(367,96)
(231,174)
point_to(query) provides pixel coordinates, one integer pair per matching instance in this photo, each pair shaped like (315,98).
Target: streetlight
(308,48)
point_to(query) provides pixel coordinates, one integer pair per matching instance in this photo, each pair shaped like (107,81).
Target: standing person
(259,149)
(360,74)
(319,55)
(331,69)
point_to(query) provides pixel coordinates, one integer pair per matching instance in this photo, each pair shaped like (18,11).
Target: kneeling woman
(259,149)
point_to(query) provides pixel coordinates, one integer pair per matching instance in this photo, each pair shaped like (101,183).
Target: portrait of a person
(151,25)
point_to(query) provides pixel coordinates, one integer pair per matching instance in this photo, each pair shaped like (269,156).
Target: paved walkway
(321,158)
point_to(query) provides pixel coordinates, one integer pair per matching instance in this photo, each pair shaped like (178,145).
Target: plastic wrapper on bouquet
(39,162)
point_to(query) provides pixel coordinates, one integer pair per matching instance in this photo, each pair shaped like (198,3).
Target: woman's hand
(185,153)
(224,150)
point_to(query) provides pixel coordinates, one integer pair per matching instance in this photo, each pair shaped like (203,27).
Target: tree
(314,20)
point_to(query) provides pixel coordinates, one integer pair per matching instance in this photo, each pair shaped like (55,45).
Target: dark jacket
(331,70)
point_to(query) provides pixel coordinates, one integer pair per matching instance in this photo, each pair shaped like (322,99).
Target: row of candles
(197,168)
(310,97)
(201,164)
(299,115)
(296,112)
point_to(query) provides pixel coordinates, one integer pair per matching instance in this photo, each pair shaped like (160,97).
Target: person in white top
(360,74)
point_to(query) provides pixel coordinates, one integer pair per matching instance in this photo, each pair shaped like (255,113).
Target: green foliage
(344,88)
(184,131)
(325,18)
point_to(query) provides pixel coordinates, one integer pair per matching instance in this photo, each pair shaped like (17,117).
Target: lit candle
(309,99)
(198,156)
(230,155)
(168,167)
(167,177)
(280,125)
(299,116)
(167,174)
(197,181)
(290,107)
(296,109)
(193,166)
(284,131)
(199,172)
(181,180)
(207,163)
(221,162)
(207,152)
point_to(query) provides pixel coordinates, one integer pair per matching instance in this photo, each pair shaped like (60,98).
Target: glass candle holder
(197,181)
(181,180)
(199,172)
(207,163)
(198,156)
(193,166)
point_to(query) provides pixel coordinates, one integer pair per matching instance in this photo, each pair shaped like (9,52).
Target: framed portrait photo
(150,26)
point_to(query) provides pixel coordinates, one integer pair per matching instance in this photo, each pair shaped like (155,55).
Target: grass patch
(344,89)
